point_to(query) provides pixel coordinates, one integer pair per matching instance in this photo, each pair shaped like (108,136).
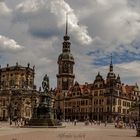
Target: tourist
(10,122)
(105,123)
(75,121)
(91,122)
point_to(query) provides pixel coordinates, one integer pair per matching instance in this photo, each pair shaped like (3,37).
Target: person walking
(105,123)
(75,121)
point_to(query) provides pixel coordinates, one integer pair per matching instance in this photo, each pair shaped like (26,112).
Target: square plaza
(70,132)
(93,69)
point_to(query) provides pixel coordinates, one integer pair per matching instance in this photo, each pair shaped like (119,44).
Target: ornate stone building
(18,93)
(78,102)
(112,99)
(104,99)
(65,76)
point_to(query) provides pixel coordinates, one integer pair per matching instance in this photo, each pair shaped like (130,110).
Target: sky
(32,31)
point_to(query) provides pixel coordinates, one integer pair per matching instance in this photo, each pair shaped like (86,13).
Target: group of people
(18,122)
(117,124)
(87,122)
(131,124)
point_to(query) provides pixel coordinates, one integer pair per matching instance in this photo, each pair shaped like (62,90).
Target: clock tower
(65,76)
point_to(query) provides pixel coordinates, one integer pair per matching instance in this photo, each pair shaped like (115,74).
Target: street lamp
(98,113)
(76,111)
(64,107)
(138,128)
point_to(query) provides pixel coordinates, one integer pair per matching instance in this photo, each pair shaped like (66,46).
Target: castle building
(17,92)
(65,76)
(112,100)
(78,102)
(104,99)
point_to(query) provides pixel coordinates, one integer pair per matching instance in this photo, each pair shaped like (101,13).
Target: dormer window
(95,85)
(78,93)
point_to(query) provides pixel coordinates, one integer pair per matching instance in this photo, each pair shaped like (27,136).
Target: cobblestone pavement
(70,132)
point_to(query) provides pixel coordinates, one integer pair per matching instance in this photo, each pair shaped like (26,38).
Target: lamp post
(9,111)
(76,111)
(64,108)
(138,128)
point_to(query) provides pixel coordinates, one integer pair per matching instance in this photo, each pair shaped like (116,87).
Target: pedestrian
(91,122)
(75,121)
(105,123)
(10,122)
(15,120)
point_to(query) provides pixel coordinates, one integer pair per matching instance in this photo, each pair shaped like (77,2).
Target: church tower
(65,76)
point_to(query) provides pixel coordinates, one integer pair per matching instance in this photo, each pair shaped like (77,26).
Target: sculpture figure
(45,84)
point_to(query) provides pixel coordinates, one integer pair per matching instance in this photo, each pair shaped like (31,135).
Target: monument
(44,114)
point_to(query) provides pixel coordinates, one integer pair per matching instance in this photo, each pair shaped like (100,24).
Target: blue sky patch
(116,58)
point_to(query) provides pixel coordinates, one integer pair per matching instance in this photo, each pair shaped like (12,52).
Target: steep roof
(83,89)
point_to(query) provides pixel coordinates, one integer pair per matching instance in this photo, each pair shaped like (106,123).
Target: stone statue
(45,84)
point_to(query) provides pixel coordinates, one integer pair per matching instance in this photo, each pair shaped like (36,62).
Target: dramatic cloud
(97,28)
(3,8)
(58,8)
(7,45)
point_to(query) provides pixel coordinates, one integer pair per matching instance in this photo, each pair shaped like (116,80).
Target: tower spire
(66,24)
(111,65)
(111,59)
(66,37)
(65,76)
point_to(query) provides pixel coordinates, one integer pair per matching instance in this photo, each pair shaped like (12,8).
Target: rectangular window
(86,102)
(4,102)
(119,102)
(95,93)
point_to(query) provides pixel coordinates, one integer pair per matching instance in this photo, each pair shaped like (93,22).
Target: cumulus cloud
(129,72)
(7,44)
(3,8)
(59,8)
(97,29)
(30,6)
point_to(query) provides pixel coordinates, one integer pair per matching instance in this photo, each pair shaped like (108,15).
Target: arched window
(15,112)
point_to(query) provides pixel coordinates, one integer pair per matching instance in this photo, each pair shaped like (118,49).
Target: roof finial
(111,65)
(111,58)
(66,23)
(16,63)
(28,64)
(66,37)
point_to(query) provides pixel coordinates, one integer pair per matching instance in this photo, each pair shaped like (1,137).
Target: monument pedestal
(138,130)
(43,122)
(44,114)
(43,117)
